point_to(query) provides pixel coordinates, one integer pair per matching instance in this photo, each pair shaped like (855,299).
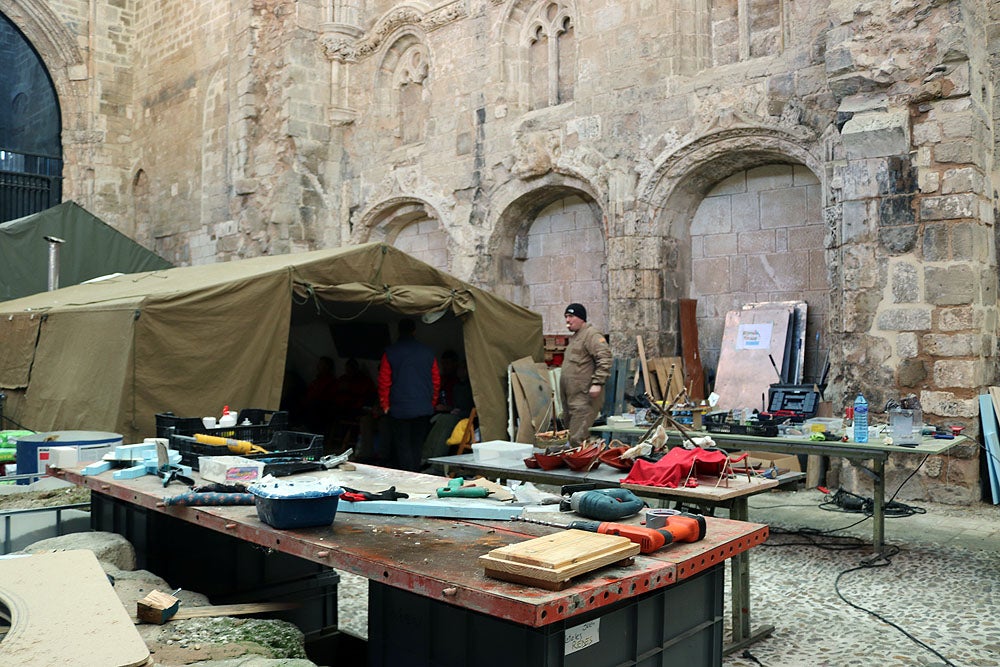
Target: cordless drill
(681,527)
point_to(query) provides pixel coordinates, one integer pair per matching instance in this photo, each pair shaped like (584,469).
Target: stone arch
(518,30)
(402,92)
(410,224)
(721,265)
(58,50)
(573,268)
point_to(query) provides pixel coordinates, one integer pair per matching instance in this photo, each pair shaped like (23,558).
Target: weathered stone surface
(951,286)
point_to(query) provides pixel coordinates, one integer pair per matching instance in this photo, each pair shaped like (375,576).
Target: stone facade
(838,152)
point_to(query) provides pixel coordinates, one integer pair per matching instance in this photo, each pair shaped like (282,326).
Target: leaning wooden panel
(65,612)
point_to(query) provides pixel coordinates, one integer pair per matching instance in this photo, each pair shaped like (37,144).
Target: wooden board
(745,372)
(988,416)
(644,369)
(669,376)
(556,558)
(232,609)
(64,611)
(694,373)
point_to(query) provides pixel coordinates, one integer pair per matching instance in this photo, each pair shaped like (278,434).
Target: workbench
(856,452)
(424,574)
(732,494)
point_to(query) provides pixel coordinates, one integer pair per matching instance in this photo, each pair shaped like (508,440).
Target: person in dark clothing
(408,384)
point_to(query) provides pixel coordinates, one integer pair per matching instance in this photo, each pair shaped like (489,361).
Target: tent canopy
(111,355)
(92,248)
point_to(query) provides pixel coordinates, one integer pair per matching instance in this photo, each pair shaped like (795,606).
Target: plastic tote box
(300,503)
(501,452)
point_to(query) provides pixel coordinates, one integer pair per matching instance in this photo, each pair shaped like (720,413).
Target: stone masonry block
(948,207)
(960,152)
(954,345)
(762,241)
(905,319)
(877,134)
(855,218)
(965,179)
(947,404)
(782,208)
(951,286)
(905,283)
(959,319)
(958,373)
(710,276)
(907,345)
(714,216)
(717,245)
(911,373)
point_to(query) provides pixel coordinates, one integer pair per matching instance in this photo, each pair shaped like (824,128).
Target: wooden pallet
(550,562)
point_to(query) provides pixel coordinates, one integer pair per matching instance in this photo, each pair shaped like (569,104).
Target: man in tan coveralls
(586,367)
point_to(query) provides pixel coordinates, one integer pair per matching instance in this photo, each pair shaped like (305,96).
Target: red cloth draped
(675,466)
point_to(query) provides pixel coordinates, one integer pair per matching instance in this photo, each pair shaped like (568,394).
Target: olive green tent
(112,354)
(92,248)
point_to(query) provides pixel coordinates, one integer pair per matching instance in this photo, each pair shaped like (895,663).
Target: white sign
(582,636)
(754,336)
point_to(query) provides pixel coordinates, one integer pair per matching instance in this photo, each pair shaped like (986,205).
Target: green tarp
(111,354)
(91,249)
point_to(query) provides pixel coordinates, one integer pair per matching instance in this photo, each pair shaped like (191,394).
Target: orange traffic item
(235,446)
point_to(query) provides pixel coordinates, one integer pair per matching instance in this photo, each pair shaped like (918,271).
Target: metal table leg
(740,570)
(878,512)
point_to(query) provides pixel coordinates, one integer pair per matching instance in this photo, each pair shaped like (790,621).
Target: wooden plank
(232,609)
(560,550)
(499,566)
(673,375)
(752,336)
(64,611)
(643,364)
(694,377)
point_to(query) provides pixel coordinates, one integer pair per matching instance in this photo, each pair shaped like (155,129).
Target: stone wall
(274,126)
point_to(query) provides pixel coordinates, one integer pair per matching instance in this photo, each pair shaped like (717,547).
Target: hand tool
(603,504)
(235,446)
(355,496)
(683,527)
(458,489)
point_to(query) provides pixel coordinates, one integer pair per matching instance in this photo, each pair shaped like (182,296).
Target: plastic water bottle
(860,419)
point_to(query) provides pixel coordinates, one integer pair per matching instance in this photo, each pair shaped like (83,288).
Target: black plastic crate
(678,625)
(760,430)
(263,425)
(283,443)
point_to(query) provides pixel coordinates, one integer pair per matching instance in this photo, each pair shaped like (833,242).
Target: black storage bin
(263,425)
(282,443)
(678,625)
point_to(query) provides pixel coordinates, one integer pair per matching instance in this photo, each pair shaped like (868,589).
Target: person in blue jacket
(408,384)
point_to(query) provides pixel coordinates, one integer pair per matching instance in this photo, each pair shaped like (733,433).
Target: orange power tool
(682,527)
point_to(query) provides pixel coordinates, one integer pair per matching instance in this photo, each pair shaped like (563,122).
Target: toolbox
(282,443)
(797,401)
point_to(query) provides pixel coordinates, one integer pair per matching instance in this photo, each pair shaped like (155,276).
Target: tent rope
(320,308)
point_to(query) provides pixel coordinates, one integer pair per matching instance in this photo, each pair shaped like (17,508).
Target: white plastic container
(832,425)
(230,469)
(501,452)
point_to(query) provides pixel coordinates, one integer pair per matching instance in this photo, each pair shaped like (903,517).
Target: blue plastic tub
(296,503)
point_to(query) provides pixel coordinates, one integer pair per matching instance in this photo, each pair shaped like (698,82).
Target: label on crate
(582,636)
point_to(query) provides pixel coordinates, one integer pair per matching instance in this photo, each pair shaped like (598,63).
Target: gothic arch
(517,28)
(401,85)
(390,220)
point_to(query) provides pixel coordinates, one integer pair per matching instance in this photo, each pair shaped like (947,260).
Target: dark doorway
(30,127)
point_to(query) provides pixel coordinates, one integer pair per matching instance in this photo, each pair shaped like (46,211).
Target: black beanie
(576,309)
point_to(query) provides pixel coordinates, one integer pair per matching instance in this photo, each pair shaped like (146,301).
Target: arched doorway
(30,129)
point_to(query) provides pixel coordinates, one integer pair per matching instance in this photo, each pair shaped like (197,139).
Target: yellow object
(458,432)
(235,446)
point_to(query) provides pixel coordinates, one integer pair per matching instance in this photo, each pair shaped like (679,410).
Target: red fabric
(671,470)
(384,383)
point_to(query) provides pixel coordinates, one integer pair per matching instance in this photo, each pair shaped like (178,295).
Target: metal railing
(28,183)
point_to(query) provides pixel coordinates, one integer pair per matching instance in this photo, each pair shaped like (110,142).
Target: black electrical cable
(883,560)
(750,656)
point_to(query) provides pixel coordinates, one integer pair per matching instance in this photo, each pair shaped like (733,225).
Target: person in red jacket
(408,386)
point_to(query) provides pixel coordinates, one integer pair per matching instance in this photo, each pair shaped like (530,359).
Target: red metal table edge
(647,574)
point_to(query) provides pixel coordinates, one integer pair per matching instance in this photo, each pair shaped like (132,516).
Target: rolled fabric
(210,499)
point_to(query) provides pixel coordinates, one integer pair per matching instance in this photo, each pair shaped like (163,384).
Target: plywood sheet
(558,557)
(65,612)
(751,339)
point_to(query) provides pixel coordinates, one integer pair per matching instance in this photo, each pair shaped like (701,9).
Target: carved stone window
(745,29)
(411,96)
(549,40)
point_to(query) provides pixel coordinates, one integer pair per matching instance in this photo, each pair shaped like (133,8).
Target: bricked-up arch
(743,211)
(538,52)
(402,91)
(58,50)
(549,249)
(411,225)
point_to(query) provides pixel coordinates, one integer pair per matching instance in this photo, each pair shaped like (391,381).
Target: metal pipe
(54,244)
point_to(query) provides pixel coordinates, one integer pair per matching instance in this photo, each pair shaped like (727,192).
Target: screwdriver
(680,528)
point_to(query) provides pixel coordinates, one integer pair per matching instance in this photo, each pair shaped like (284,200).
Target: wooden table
(732,494)
(873,451)
(436,559)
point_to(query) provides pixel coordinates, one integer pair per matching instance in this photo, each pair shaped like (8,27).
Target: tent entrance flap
(406,299)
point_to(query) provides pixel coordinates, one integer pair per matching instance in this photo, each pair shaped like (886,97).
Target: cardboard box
(230,469)
(501,452)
